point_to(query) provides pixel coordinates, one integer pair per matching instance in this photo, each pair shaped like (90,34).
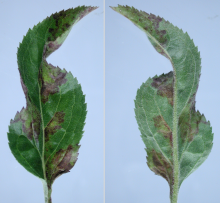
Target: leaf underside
(44,137)
(156,98)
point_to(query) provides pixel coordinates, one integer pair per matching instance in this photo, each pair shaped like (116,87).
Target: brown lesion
(160,50)
(155,20)
(86,11)
(65,165)
(62,162)
(166,91)
(64,19)
(23,86)
(164,86)
(54,125)
(163,128)
(50,47)
(196,119)
(149,22)
(189,121)
(153,28)
(58,17)
(36,122)
(160,166)
(51,78)
(30,119)
(29,116)
(67,25)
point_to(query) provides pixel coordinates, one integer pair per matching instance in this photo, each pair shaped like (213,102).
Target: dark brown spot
(49,48)
(160,50)
(166,91)
(65,163)
(55,16)
(184,125)
(30,119)
(86,11)
(23,87)
(162,167)
(54,125)
(62,161)
(164,86)
(57,156)
(163,128)
(57,23)
(51,29)
(57,77)
(67,25)
(163,32)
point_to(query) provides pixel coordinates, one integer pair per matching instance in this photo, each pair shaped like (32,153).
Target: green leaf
(44,137)
(178,138)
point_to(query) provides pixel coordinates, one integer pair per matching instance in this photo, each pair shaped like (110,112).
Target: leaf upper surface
(44,137)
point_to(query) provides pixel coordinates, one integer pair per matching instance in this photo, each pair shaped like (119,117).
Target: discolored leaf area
(178,138)
(44,137)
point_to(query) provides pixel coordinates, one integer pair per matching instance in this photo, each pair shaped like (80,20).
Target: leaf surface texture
(165,105)
(44,137)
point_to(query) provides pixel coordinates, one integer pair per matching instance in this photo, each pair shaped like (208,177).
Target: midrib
(175,188)
(42,121)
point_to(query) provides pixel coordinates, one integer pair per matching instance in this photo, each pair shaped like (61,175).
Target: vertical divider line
(104,101)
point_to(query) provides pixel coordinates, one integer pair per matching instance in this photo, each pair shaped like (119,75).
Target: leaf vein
(153,135)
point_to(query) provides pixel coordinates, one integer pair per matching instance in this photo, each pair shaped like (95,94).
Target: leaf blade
(178,138)
(44,137)
(19,149)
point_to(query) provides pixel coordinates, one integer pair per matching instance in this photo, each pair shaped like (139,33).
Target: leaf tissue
(44,137)
(178,138)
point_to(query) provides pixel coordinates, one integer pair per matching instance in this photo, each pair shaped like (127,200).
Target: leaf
(178,138)
(44,137)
